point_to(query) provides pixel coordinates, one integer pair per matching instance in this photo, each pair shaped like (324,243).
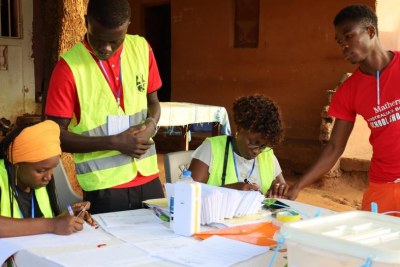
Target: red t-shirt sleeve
(154,76)
(62,97)
(342,106)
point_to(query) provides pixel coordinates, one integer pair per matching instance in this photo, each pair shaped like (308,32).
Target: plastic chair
(65,194)
(175,163)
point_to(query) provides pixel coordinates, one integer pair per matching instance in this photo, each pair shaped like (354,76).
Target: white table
(183,114)
(37,256)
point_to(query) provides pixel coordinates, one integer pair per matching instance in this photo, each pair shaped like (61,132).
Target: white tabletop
(181,113)
(144,234)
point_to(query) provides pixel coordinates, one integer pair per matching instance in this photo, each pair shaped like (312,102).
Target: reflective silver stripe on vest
(134,120)
(110,162)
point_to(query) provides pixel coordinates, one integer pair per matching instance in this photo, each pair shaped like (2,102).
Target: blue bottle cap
(187,173)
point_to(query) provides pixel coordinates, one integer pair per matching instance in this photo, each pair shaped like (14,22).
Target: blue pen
(70,211)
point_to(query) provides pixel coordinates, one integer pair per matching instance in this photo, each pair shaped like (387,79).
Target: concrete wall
(389,23)
(358,145)
(296,62)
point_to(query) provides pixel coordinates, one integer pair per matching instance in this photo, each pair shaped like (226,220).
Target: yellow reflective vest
(265,162)
(5,206)
(105,169)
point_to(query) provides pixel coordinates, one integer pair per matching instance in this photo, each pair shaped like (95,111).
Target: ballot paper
(214,251)
(220,203)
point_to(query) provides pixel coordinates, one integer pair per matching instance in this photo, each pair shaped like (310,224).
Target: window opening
(247,23)
(10,19)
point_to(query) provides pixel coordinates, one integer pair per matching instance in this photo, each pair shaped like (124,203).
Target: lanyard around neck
(236,170)
(109,80)
(32,204)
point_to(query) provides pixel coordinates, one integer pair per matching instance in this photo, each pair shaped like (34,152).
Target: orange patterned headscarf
(36,143)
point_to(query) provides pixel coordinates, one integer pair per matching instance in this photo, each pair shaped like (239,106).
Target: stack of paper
(220,203)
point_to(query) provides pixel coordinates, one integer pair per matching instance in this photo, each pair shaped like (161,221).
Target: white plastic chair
(175,163)
(65,194)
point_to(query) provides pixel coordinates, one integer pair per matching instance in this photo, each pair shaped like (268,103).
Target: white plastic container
(187,207)
(345,239)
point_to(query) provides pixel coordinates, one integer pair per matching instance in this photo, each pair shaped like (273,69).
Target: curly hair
(109,13)
(360,13)
(259,114)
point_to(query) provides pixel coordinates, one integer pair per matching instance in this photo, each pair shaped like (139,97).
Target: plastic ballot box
(356,238)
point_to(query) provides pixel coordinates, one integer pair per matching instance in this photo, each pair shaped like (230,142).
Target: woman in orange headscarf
(27,197)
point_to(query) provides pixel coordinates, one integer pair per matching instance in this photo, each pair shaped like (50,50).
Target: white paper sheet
(214,251)
(117,124)
(115,255)
(89,235)
(133,226)
(127,217)
(141,232)
(161,245)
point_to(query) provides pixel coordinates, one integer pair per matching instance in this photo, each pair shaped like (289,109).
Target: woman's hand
(243,186)
(66,225)
(278,189)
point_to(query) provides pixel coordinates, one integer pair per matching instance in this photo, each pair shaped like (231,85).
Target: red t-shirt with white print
(379,104)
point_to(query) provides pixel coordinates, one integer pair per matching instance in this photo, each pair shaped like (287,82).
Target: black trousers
(117,199)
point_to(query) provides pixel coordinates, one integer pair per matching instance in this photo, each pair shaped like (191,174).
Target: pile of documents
(220,203)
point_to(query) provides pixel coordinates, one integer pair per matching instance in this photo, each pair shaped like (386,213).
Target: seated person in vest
(245,161)
(27,197)
(103,94)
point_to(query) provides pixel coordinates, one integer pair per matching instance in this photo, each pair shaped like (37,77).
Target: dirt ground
(339,194)
(342,193)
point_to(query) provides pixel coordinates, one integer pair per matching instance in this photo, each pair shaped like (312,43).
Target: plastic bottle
(186,176)
(171,212)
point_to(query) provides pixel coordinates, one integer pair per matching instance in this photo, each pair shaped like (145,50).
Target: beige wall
(296,62)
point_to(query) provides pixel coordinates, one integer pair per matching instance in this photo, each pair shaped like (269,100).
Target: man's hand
(293,192)
(133,142)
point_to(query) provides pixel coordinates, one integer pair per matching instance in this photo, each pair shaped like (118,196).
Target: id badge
(117,124)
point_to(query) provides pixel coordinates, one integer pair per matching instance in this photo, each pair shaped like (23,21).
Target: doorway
(157,31)
(17,82)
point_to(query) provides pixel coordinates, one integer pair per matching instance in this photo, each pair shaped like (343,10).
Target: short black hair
(109,13)
(359,13)
(259,114)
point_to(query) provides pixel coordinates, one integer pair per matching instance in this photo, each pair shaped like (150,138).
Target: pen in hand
(70,211)
(247,181)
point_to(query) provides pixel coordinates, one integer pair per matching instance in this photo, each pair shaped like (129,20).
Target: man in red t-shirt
(107,23)
(372,91)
